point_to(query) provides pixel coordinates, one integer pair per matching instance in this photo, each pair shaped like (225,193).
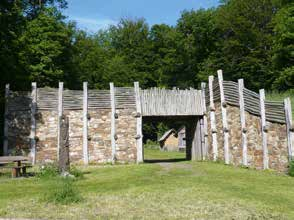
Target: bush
(64,192)
(151,144)
(48,171)
(76,172)
(291,168)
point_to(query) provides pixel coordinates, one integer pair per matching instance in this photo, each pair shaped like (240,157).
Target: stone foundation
(276,140)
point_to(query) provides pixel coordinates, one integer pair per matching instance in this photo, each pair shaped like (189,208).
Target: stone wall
(276,140)
(99,142)
(46,132)
(99,131)
(18,119)
(126,150)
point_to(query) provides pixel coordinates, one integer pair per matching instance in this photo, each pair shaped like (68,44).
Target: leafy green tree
(44,47)
(283,49)
(244,45)
(199,38)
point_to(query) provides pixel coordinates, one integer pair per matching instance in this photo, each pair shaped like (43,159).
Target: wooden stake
(33,121)
(60,113)
(263,128)
(212,119)
(224,116)
(139,123)
(204,130)
(113,130)
(85,123)
(289,124)
(243,121)
(5,141)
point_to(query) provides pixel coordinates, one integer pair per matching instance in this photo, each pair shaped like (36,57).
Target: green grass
(183,190)
(155,154)
(280,96)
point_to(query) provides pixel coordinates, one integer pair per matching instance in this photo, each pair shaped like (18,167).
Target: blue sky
(93,15)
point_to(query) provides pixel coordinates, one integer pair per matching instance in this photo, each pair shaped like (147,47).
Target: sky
(93,15)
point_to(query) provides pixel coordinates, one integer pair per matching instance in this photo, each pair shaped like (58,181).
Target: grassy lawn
(182,190)
(155,154)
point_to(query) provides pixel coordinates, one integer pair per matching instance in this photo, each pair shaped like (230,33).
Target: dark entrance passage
(180,138)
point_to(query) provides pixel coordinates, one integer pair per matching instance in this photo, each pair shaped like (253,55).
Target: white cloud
(93,24)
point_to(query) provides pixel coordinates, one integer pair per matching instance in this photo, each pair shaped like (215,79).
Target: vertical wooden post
(5,141)
(139,136)
(224,116)
(85,123)
(263,128)
(243,121)
(204,131)
(113,130)
(63,162)
(290,129)
(60,113)
(212,119)
(33,121)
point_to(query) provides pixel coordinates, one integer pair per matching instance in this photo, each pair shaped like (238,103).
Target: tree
(45,45)
(283,49)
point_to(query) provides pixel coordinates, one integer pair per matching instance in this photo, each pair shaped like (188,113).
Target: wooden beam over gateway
(163,102)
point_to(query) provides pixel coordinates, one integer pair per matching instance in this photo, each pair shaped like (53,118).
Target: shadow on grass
(175,160)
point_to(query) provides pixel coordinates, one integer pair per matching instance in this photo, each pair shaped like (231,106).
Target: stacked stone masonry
(276,140)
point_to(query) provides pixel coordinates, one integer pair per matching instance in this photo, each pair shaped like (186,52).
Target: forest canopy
(251,39)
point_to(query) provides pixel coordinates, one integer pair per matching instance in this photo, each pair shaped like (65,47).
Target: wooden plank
(113,129)
(33,122)
(263,129)
(139,123)
(5,141)
(224,117)
(204,131)
(60,113)
(243,122)
(212,119)
(85,123)
(290,131)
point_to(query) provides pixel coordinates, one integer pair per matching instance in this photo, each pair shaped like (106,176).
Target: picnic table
(19,166)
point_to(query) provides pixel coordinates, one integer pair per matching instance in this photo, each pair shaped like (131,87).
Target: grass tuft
(64,192)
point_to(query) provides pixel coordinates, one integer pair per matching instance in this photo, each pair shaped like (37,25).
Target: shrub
(291,168)
(151,144)
(64,192)
(48,171)
(76,172)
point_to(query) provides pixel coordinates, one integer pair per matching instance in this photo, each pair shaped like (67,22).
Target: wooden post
(60,113)
(263,128)
(224,117)
(290,128)
(243,121)
(139,136)
(33,121)
(212,119)
(113,130)
(85,123)
(63,161)
(5,141)
(204,131)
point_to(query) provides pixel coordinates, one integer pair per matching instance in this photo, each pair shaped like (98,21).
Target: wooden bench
(18,169)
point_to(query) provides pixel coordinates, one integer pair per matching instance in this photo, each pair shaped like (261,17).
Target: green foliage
(150,144)
(76,172)
(64,192)
(48,171)
(291,168)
